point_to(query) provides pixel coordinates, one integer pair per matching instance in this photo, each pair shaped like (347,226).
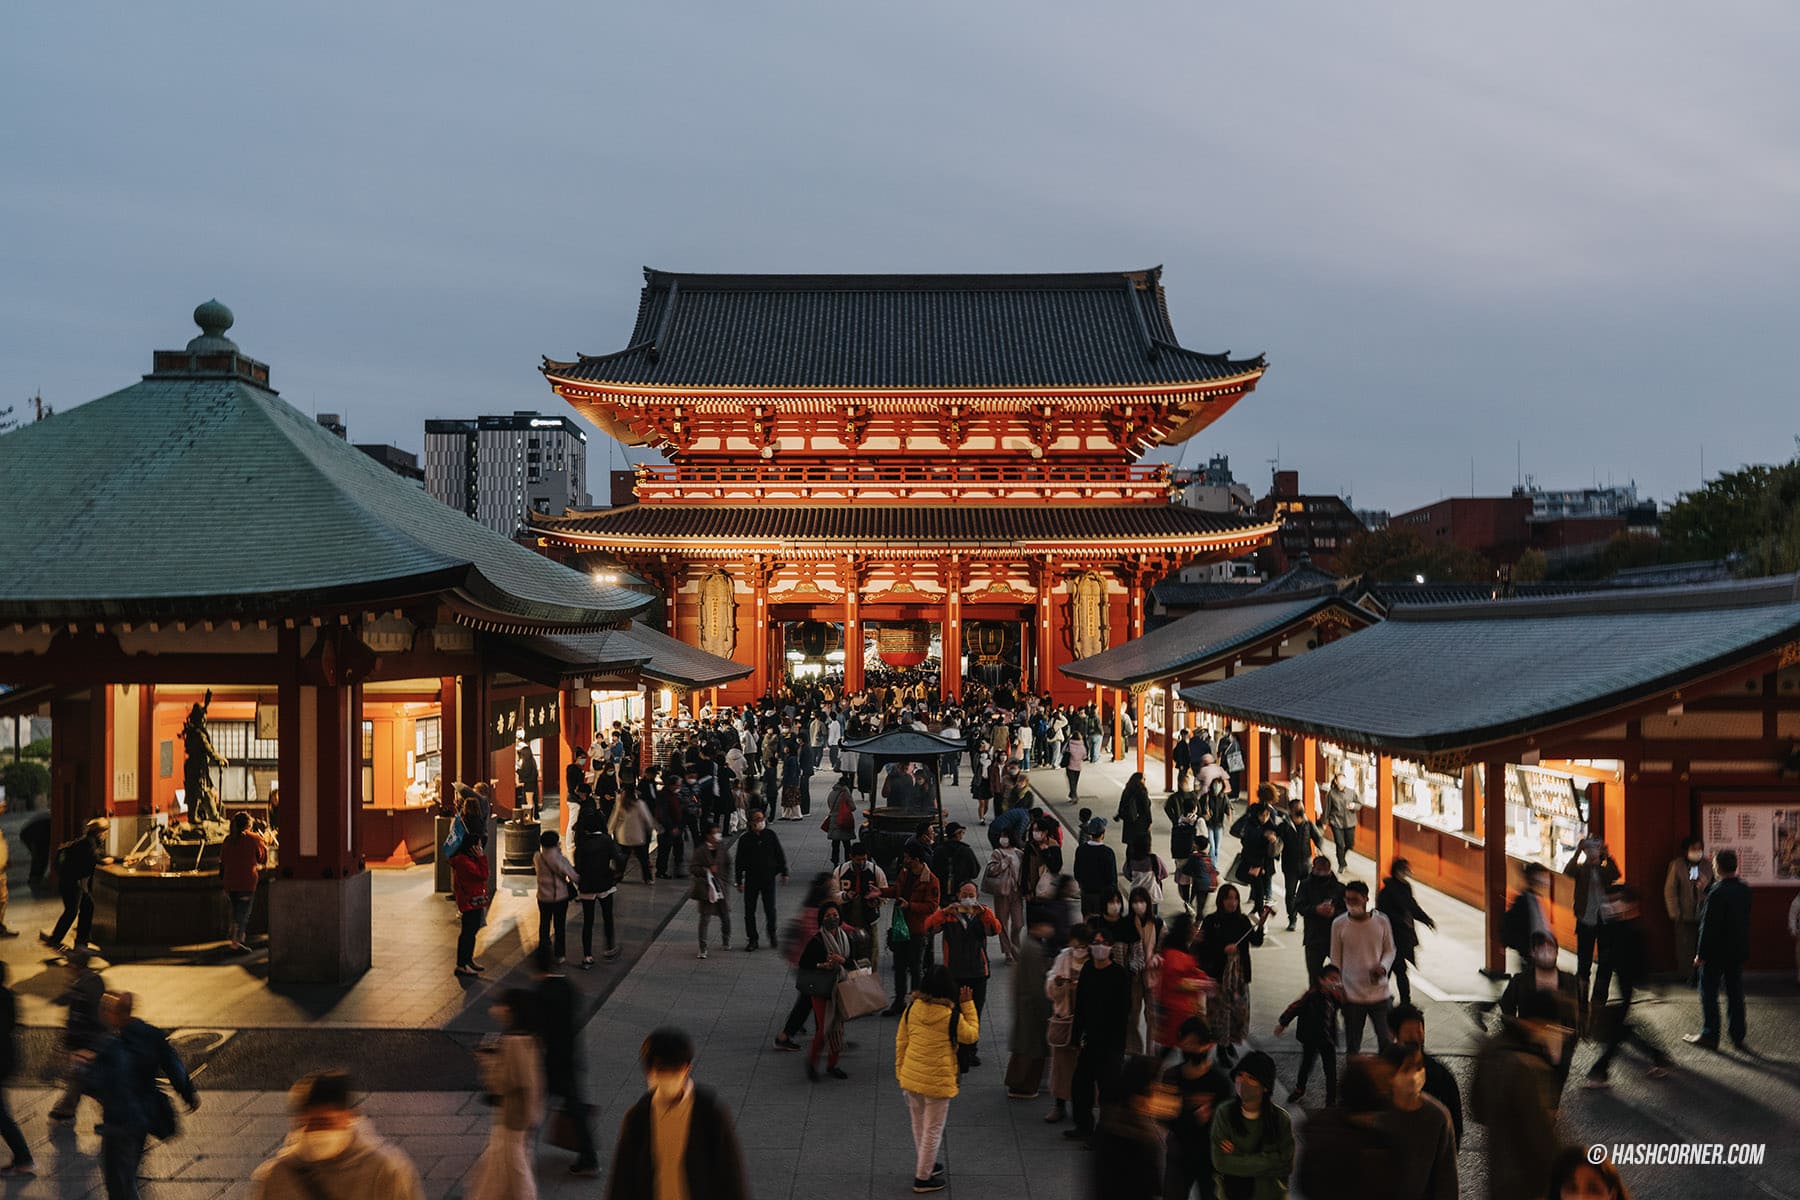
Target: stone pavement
(851,1138)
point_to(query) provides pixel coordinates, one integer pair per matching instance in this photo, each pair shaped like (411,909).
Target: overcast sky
(1562,232)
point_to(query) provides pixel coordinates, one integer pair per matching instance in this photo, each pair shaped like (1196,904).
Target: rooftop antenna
(1519,463)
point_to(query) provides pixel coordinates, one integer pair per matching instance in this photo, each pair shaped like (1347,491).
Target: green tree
(1751,515)
(1532,567)
(1400,555)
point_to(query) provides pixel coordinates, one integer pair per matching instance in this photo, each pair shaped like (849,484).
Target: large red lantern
(903,645)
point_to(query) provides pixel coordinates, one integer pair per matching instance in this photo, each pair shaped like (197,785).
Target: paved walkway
(847,1140)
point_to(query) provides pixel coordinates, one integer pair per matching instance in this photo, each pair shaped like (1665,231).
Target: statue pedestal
(320,930)
(148,910)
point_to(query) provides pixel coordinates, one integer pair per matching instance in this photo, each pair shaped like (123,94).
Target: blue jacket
(123,1077)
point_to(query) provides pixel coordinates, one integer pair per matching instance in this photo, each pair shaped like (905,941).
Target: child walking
(1315,1014)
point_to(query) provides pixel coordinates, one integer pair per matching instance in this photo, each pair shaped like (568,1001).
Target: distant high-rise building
(1213,488)
(497,469)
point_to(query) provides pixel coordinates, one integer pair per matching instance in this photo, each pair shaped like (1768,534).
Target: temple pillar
(1311,784)
(1118,724)
(1493,862)
(849,578)
(1384,815)
(77,762)
(759,628)
(320,903)
(647,752)
(1253,760)
(1168,737)
(1041,682)
(472,759)
(1137,711)
(950,674)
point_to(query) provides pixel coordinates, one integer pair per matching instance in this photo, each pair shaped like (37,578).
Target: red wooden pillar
(1493,861)
(1042,675)
(1138,712)
(1118,737)
(1253,760)
(759,629)
(472,759)
(950,675)
(1384,815)
(449,739)
(646,751)
(1311,785)
(1168,735)
(848,576)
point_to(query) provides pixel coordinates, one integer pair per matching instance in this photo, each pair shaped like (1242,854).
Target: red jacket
(919,893)
(240,858)
(468,880)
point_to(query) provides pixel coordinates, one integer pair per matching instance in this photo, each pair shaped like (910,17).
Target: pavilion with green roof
(363,642)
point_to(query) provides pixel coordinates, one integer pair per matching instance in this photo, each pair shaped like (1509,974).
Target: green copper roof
(198,492)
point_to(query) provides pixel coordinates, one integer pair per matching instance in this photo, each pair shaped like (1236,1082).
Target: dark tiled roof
(1391,594)
(1177,593)
(904,331)
(1441,679)
(195,494)
(933,524)
(1301,577)
(1197,640)
(638,647)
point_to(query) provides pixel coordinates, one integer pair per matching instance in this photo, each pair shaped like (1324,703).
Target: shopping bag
(816,981)
(860,993)
(564,1132)
(899,932)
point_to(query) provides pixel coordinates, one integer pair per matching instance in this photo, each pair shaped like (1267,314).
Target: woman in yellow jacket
(940,1017)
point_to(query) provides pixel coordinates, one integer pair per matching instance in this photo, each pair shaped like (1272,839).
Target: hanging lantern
(987,641)
(906,644)
(816,639)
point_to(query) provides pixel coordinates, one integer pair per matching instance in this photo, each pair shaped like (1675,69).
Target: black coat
(556,1030)
(598,861)
(1298,839)
(9,1029)
(955,864)
(1315,890)
(714,1161)
(1725,924)
(760,857)
(1395,901)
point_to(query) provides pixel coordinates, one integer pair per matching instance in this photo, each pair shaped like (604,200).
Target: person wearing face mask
(1397,903)
(1408,1025)
(1544,978)
(760,862)
(711,869)
(1515,1094)
(1362,945)
(916,892)
(512,1072)
(1300,839)
(678,1141)
(1102,1002)
(966,924)
(1420,1129)
(1137,939)
(1252,1137)
(332,1151)
(1200,1087)
(827,955)
(1001,879)
(1684,887)
(1226,937)
(1321,900)
(1061,988)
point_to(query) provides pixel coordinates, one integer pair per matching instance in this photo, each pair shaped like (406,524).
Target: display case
(1545,815)
(1428,797)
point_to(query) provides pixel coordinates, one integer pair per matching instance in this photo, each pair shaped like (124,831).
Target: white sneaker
(702,953)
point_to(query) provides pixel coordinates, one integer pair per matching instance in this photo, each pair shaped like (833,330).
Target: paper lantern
(903,645)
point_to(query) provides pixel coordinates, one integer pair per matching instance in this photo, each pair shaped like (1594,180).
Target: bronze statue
(202,799)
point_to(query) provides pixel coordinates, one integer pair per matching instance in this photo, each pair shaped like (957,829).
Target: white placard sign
(1766,838)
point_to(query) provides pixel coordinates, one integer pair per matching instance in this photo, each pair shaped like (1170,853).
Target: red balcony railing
(923,482)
